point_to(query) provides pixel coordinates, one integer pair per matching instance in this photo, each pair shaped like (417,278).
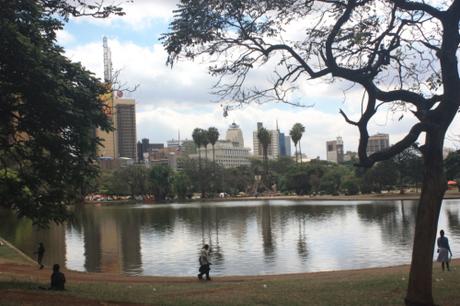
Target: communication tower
(107,61)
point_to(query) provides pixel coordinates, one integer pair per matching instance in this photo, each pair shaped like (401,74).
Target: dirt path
(25,272)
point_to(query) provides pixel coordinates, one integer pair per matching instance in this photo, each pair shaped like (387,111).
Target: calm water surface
(254,237)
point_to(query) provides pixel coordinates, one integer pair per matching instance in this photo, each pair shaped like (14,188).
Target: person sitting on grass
(57,279)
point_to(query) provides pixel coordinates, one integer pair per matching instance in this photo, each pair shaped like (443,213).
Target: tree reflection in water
(256,237)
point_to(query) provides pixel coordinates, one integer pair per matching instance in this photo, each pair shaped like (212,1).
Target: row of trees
(284,176)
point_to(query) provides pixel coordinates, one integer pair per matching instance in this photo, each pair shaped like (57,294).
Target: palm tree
(264,139)
(197,139)
(197,136)
(205,142)
(296,134)
(213,136)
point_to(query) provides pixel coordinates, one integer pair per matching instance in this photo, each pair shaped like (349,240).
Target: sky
(176,100)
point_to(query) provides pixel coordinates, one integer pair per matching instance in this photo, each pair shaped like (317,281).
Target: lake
(246,237)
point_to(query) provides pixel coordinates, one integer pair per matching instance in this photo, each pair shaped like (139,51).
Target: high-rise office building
(227,153)
(273,147)
(377,143)
(108,140)
(145,148)
(284,145)
(334,150)
(126,127)
(234,134)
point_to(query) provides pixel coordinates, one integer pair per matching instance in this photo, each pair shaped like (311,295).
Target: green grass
(9,254)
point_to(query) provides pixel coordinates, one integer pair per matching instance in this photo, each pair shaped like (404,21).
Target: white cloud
(64,37)
(188,82)
(172,100)
(139,14)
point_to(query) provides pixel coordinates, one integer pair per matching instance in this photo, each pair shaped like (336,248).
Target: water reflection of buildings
(268,240)
(111,239)
(244,238)
(116,246)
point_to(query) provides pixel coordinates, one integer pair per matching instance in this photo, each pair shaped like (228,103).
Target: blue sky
(171,100)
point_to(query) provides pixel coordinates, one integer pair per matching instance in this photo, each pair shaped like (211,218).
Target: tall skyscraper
(284,145)
(378,142)
(107,61)
(334,150)
(287,144)
(273,147)
(234,134)
(108,147)
(126,127)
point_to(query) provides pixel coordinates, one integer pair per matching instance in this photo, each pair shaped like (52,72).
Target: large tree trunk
(434,185)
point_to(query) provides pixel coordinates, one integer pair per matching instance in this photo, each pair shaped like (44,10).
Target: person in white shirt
(204,263)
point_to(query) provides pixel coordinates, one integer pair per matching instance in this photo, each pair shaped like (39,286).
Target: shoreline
(28,266)
(365,197)
(20,285)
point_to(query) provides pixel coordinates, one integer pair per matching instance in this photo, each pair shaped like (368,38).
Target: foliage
(350,185)
(452,165)
(298,180)
(49,108)
(182,186)
(161,178)
(213,136)
(383,175)
(409,164)
(296,134)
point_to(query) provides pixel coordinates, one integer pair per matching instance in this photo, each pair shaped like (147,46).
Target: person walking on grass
(204,263)
(443,250)
(40,252)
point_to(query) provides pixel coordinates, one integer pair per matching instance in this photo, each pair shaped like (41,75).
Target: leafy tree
(112,183)
(136,178)
(331,180)
(161,182)
(191,169)
(296,134)
(298,180)
(410,165)
(49,108)
(452,165)
(398,52)
(181,185)
(383,176)
(239,179)
(350,185)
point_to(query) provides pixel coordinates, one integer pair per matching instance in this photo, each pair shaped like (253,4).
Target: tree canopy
(49,108)
(398,52)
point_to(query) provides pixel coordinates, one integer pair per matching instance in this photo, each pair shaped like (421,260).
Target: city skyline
(172,99)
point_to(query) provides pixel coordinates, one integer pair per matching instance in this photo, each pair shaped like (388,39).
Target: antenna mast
(107,61)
